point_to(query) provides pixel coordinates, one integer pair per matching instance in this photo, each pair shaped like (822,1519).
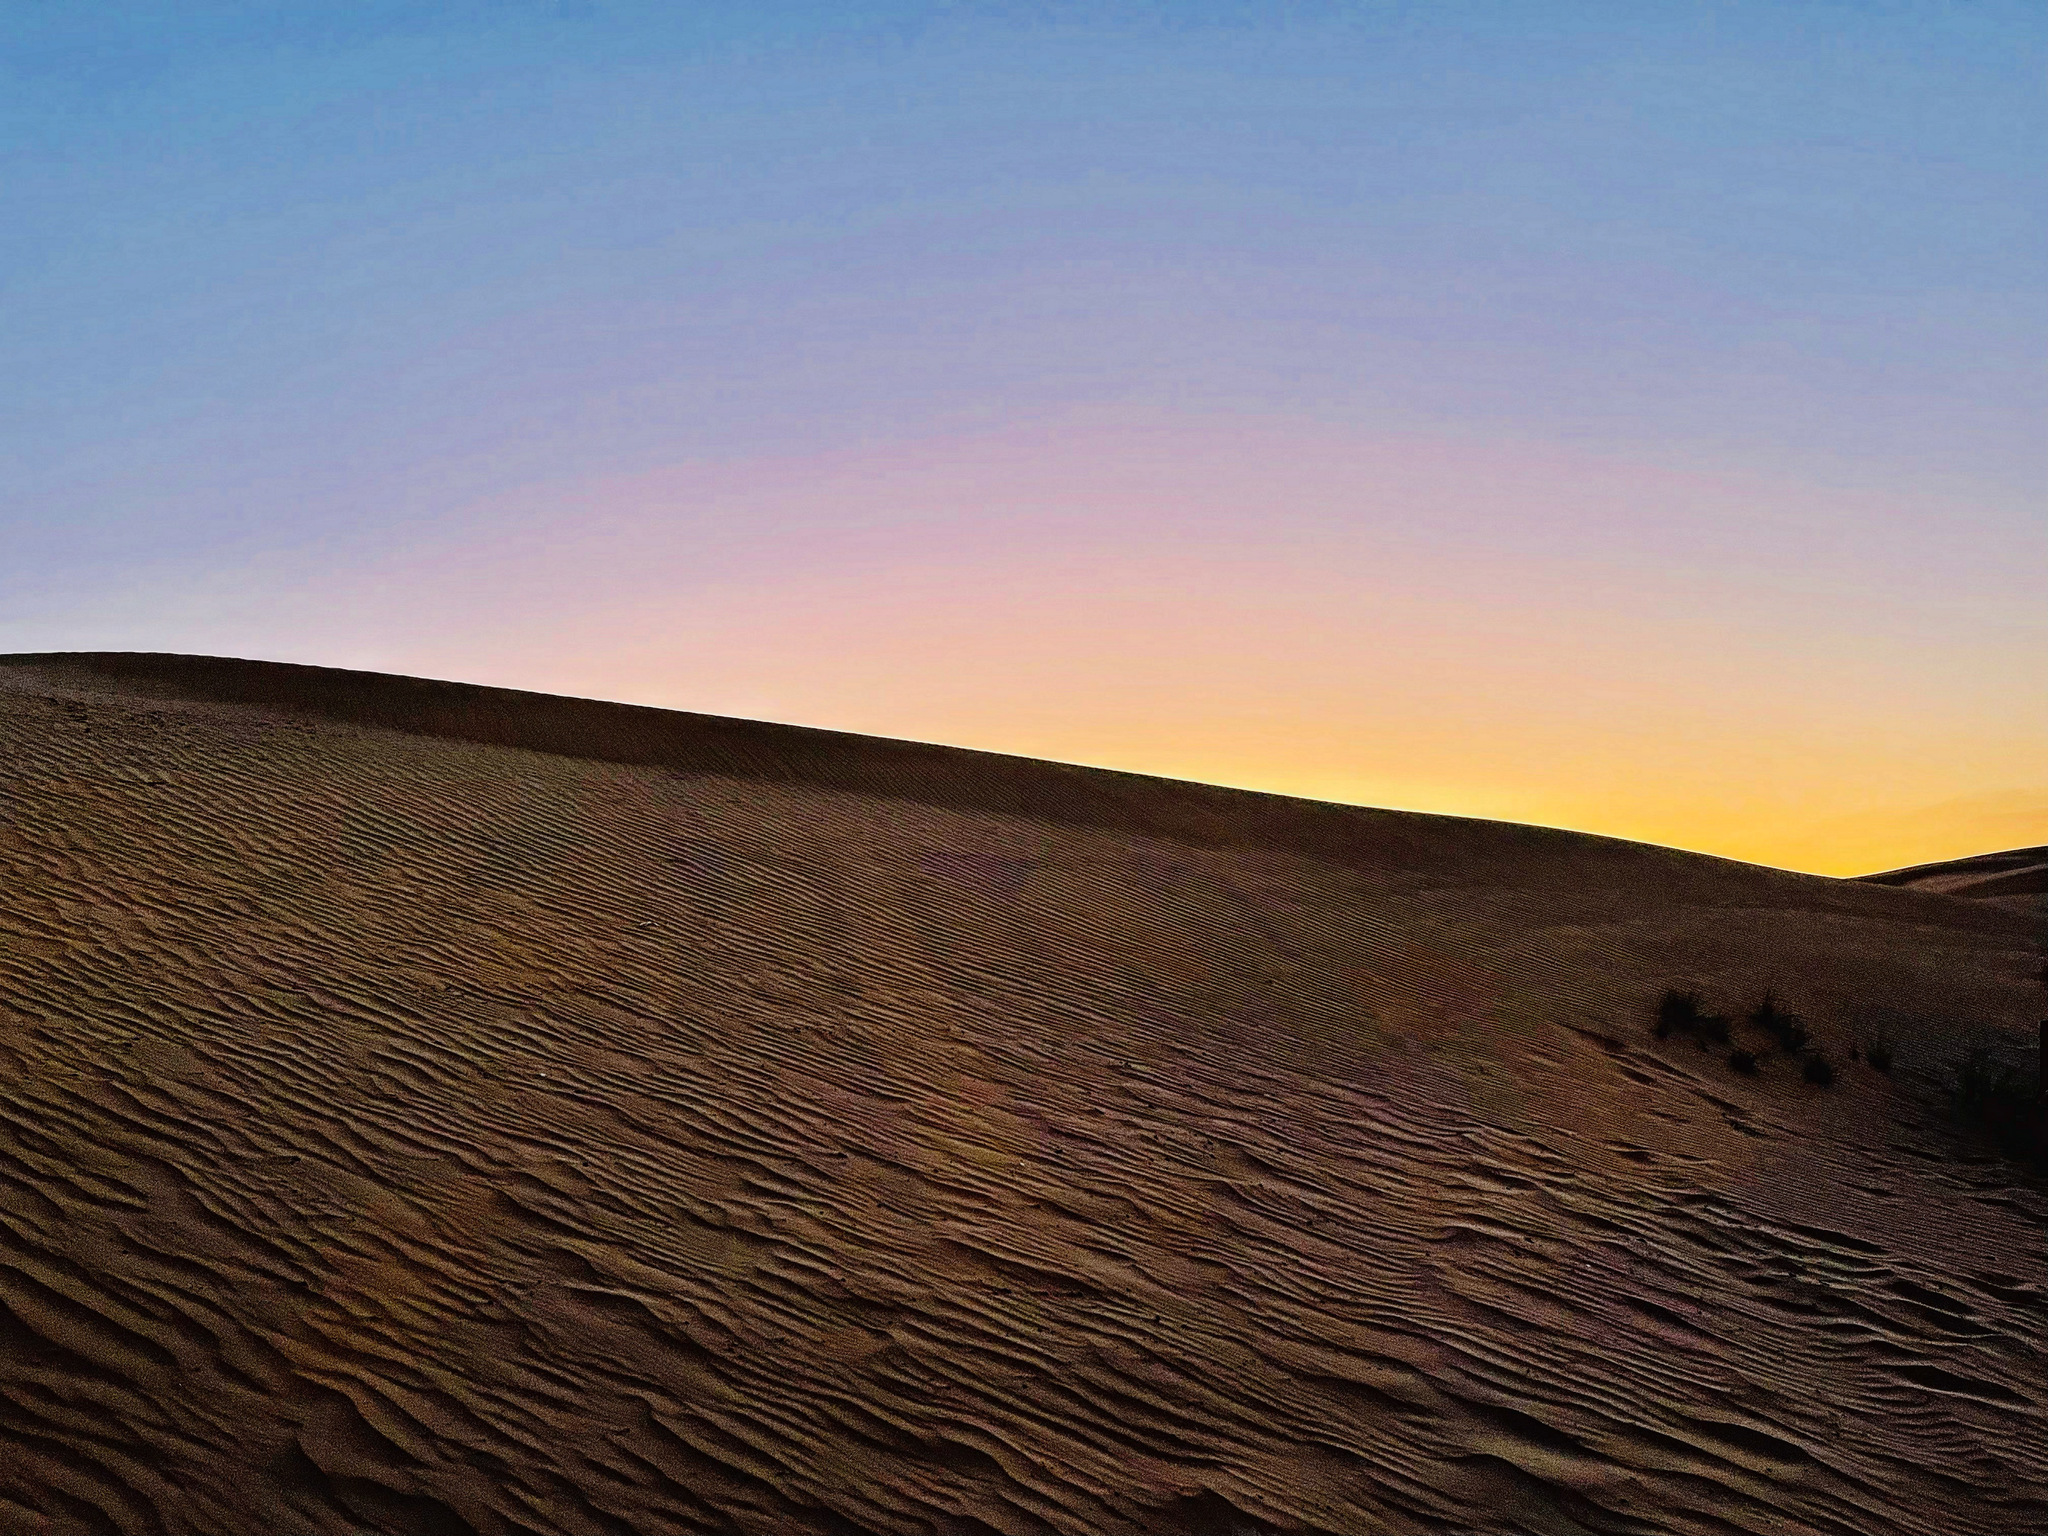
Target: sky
(1626,417)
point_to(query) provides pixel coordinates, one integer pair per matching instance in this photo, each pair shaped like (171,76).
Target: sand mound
(2018,877)
(441,1109)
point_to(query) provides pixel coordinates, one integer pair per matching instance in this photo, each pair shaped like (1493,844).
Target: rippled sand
(432,1109)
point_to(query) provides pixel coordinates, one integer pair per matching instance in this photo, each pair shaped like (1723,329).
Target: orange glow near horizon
(1282,609)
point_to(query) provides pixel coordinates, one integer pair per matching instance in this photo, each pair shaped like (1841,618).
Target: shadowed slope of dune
(438,1109)
(2018,877)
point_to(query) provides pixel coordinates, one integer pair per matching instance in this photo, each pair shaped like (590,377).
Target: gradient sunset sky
(1628,417)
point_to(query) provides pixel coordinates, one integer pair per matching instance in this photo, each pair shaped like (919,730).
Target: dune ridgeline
(437,1109)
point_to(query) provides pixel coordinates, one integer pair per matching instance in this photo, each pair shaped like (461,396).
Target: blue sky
(298,291)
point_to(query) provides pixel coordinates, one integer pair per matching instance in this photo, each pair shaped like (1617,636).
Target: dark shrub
(1788,1029)
(1678,1013)
(1818,1070)
(1743,1062)
(1879,1054)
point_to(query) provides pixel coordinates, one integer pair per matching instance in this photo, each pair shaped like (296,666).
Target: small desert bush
(1743,1062)
(1788,1029)
(1879,1054)
(1679,1013)
(1818,1070)
(1676,1011)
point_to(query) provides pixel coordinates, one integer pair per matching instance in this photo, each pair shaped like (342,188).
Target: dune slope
(437,1109)
(2017,876)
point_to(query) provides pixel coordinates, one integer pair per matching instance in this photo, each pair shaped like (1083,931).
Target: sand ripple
(443,1111)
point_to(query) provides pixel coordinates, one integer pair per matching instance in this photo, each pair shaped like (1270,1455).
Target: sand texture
(2017,877)
(443,1110)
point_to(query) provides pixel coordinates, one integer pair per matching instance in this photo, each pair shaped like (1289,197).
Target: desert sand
(2017,877)
(438,1109)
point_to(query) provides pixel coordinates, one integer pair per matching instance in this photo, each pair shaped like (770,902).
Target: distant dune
(2018,877)
(438,1109)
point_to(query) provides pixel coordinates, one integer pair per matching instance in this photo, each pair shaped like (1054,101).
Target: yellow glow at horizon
(1285,609)
(1239,692)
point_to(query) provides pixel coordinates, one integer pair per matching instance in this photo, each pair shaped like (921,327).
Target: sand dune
(440,1109)
(2018,877)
